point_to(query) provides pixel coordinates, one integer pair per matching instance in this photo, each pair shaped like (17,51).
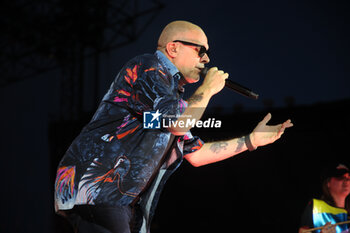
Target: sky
(278,49)
(290,49)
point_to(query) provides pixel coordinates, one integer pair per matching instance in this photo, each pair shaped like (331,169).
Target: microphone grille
(204,71)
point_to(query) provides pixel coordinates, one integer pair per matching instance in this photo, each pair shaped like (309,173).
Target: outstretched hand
(264,134)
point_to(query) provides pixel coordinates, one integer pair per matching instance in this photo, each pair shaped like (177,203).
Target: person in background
(334,205)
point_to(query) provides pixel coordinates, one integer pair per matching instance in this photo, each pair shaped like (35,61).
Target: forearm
(197,104)
(217,151)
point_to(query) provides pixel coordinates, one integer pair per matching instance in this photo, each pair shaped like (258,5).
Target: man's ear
(172,49)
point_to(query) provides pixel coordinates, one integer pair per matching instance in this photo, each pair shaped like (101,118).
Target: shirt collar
(170,67)
(167,63)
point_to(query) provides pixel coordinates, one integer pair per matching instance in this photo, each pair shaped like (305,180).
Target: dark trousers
(97,219)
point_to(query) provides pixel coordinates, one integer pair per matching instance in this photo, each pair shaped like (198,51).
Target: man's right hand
(214,81)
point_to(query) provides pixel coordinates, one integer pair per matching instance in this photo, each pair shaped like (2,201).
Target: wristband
(248,143)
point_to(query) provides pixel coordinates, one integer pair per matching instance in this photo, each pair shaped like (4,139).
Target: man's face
(188,60)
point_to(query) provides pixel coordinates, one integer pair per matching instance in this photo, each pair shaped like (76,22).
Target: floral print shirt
(114,160)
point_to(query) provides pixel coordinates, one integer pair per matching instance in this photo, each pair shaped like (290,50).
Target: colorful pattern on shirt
(113,159)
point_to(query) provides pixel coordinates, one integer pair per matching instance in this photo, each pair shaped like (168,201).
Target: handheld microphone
(234,86)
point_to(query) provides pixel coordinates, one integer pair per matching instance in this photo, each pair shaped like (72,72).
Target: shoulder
(308,208)
(149,66)
(144,61)
(306,217)
(146,68)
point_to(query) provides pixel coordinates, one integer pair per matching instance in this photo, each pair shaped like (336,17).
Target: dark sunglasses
(202,49)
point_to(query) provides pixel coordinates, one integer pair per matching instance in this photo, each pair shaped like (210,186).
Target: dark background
(59,57)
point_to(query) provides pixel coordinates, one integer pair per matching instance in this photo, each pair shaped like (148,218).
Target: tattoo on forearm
(195,98)
(216,147)
(240,142)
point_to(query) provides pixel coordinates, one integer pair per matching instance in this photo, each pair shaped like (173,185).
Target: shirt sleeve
(143,85)
(191,143)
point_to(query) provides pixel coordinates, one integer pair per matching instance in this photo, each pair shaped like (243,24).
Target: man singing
(111,176)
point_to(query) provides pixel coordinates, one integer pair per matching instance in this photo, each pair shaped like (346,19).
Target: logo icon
(151,120)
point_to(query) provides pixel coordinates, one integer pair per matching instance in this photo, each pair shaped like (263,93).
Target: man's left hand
(264,134)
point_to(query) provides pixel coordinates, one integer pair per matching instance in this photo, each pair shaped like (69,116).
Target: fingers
(223,74)
(213,69)
(220,72)
(287,124)
(266,134)
(328,228)
(266,119)
(214,81)
(280,130)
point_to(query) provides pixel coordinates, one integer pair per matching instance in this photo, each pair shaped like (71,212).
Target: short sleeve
(143,85)
(191,143)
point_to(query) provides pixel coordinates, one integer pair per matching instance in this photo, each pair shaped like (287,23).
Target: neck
(182,82)
(339,201)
